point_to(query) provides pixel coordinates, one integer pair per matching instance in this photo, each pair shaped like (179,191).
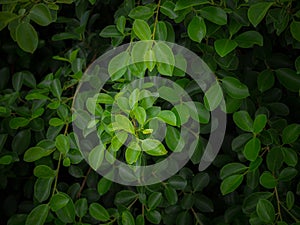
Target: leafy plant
(252,47)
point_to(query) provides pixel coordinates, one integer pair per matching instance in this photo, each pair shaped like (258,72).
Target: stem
(291,215)
(58,163)
(196,216)
(83,183)
(156,19)
(278,203)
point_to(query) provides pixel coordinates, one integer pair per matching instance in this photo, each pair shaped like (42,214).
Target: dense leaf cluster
(252,47)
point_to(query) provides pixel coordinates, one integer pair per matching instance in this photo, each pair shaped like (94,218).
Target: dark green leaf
(125,197)
(249,38)
(267,180)
(197,29)
(265,80)
(259,123)
(214,14)
(290,133)
(43,171)
(289,79)
(265,211)
(154,216)
(287,174)
(231,183)
(41,14)
(42,188)
(27,37)
(127,218)
(183,4)
(154,200)
(231,169)
(295,29)
(243,120)
(257,12)
(290,200)
(275,159)
(98,212)
(103,186)
(235,88)
(35,153)
(252,149)
(224,46)
(141,12)
(171,195)
(58,201)
(62,143)
(81,207)
(38,215)
(200,181)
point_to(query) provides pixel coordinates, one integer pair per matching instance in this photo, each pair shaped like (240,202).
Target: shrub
(252,48)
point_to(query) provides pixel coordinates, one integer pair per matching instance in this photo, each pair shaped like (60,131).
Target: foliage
(252,47)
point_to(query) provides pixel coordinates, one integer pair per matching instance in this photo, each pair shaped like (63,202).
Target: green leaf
(161,31)
(123,123)
(40,14)
(81,207)
(106,99)
(257,12)
(235,88)
(291,133)
(140,115)
(295,29)
(290,200)
(265,80)
(177,182)
(214,14)
(62,144)
(125,197)
(154,217)
(141,12)
(43,171)
(259,123)
(153,147)
(289,79)
(213,97)
(17,81)
(149,59)
(118,140)
(197,29)
(96,156)
(110,31)
(6,18)
(287,174)
(59,201)
(121,23)
(55,88)
(173,139)
(224,46)
(42,188)
(6,160)
(154,200)
(171,195)
(17,122)
(134,98)
(67,214)
(133,152)
(35,153)
(169,94)
(265,211)
(165,59)
(243,120)
(118,65)
(98,212)
(231,169)
(290,157)
(252,149)
(183,4)
(103,186)
(27,37)
(200,181)
(127,218)
(267,180)
(141,29)
(167,116)
(38,215)
(275,159)
(56,122)
(167,8)
(249,38)
(231,183)
(250,202)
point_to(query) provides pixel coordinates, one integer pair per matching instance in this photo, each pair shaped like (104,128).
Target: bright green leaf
(224,46)
(197,29)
